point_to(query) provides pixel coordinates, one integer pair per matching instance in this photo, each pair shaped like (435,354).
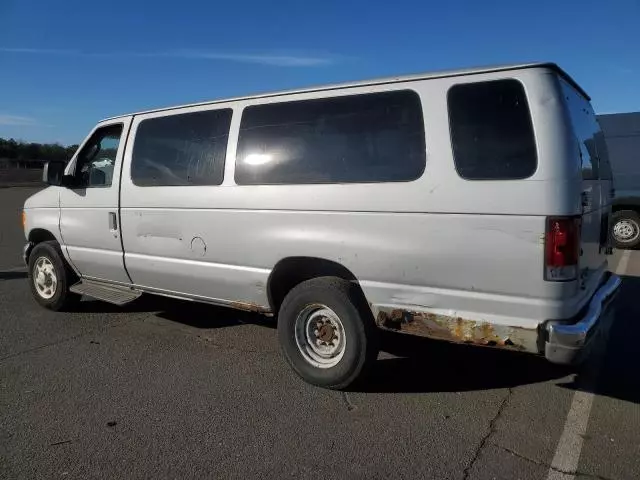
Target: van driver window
(96,161)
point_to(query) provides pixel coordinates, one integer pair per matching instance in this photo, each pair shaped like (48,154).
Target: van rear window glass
(593,149)
(184,149)
(376,137)
(491,131)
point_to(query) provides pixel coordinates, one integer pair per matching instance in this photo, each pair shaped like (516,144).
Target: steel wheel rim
(320,336)
(626,230)
(44,278)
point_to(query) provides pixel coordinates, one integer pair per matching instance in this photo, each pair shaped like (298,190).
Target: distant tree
(15,150)
(8,148)
(71,150)
(31,151)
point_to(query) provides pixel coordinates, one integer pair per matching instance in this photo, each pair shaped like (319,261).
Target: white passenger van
(467,206)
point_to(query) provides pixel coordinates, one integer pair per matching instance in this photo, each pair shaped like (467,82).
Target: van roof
(380,81)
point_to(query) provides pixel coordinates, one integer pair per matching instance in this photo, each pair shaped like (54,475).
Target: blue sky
(65,65)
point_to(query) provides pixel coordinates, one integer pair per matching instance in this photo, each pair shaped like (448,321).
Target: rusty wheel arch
(291,271)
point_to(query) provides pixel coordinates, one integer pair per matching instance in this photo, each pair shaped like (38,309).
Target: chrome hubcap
(626,230)
(320,336)
(44,278)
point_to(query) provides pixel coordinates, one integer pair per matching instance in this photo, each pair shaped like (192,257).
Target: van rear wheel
(625,229)
(327,332)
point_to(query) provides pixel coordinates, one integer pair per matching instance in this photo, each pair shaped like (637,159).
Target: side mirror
(53,172)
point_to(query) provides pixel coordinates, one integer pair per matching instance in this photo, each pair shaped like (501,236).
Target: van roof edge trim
(377,81)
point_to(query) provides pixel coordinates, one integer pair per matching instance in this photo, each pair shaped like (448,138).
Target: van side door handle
(113,221)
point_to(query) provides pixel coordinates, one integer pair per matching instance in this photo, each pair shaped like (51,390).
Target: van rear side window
(491,131)
(184,149)
(591,142)
(376,137)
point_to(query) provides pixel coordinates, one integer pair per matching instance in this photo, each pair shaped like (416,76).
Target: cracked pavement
(170,389)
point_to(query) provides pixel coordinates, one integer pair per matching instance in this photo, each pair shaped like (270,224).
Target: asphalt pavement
(169,389)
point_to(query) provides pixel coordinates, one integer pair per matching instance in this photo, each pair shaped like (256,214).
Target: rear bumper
(570,343)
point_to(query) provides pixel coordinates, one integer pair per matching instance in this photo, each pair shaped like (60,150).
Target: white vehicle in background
(622,133)
(466,206)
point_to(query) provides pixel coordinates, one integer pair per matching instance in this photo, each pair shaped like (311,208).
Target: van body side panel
(401,260)
(440,243)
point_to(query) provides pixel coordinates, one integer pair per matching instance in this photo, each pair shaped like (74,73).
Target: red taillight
(562,248)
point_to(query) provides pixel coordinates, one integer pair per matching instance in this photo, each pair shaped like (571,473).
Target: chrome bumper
(568,343)
(26,251)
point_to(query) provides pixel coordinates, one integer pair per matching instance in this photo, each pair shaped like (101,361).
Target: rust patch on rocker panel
(457,329)
(250,307)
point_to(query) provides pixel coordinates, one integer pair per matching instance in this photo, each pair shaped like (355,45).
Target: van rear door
(596,187)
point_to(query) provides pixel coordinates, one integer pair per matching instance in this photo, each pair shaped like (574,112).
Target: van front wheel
(625,229)
(327,333)
(50,277)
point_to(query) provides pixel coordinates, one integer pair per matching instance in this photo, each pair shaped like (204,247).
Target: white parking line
(624,263)
(567,456)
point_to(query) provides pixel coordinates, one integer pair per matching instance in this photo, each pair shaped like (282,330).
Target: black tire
(632,220)
(346,300)
(62,298)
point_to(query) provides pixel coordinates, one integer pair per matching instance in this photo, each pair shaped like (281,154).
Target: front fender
(26,251)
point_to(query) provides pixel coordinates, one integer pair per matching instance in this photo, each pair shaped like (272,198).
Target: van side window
(604,164)
(491,131)
(376,137)
(183,149)
(588,134)
(97,159)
